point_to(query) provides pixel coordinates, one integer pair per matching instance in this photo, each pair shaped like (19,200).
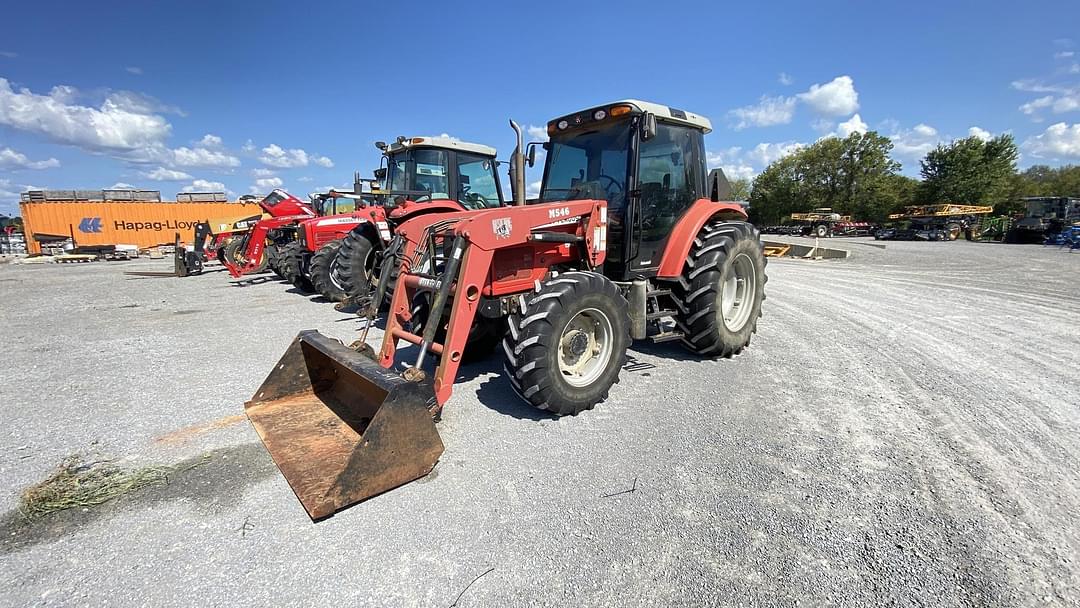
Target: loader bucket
(341,428)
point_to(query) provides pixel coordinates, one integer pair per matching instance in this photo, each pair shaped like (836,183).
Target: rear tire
(356,264)
(720,293)
(324,271)
(565,350)
(234,253)
(821,231)
(291,266)
(273,259)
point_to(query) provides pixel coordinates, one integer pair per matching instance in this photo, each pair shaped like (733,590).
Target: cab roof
(662,113)
(446,143)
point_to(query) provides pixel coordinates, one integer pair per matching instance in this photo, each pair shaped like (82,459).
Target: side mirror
(531,157)
(380,173)
(381,145)
(648,126)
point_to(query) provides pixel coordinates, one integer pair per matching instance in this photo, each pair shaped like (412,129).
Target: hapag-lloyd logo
(155,226)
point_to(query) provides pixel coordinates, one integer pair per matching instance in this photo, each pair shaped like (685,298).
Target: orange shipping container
(145,224)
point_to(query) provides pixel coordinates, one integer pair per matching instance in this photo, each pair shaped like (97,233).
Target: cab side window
(476,182)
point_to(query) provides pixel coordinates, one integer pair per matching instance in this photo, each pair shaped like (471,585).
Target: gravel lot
(904,430)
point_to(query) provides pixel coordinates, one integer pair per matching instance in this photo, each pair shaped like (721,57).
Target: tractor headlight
(599,115)
(563,125)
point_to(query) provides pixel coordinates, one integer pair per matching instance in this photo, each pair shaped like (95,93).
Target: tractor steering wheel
(475,200)
(614,183)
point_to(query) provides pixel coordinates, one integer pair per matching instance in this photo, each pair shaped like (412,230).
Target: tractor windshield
(420,171)
(273,199)
(588,165)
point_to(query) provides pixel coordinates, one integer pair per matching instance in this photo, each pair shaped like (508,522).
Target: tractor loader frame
(571,280)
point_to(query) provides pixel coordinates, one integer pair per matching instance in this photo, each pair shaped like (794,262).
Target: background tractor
(629,240)
(421,175)
(254,250)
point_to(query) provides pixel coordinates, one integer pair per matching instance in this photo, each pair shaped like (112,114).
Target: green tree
(970,171)
(853,176)
(740,189)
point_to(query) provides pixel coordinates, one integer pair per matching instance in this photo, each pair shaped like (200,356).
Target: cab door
(669,178)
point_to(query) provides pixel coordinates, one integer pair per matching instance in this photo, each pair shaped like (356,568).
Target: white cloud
(276,156)
(203,157)
(210,141)
(122,122)
(1063,54)
(769,111)
(982,134)
(260,172)
(269,183)
(853,125)
(161,174)
(1032,85)
(11,159)
(322,161)
(131,69)
(8,54)
(835,98)
(121,186)
(764,154)
(305,179)
(1064,100)
(532,189)
(1035,105)
(924,130)
(785,79)
(249,146)
(731,161)
(912,145)
(202,185)
(1058,141)
(537,133)
(448,136)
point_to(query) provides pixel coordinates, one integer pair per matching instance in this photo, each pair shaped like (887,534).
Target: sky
(197,96)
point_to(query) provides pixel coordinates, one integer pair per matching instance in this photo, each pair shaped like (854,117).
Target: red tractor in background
(336,214)
(256,249)
(630,240)
(337,255)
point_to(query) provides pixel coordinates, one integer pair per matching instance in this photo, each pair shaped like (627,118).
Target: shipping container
(111,222)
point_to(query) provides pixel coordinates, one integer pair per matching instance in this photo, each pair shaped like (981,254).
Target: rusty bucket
(341,428)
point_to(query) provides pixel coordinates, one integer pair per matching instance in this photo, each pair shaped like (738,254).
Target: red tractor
(337,255)
(253,251)
(629,240)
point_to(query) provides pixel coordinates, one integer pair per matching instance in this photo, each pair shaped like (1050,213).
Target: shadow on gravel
(496,393)
(256,281)
(213,482)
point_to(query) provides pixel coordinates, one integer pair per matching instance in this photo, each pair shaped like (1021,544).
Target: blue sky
(196,95)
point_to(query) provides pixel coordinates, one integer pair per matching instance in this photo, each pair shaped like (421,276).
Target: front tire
(720,293)
(565,350)
(324,272)
(821,231)
(356,264)
(292,257)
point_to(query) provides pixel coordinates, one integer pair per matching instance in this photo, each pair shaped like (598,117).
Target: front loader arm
(478,238)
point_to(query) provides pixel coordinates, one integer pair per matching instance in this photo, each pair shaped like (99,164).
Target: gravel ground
(904,430)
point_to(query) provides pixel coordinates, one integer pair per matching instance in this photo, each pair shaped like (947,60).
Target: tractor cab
(646,160)
(280,203)
(334,202)
(424,169)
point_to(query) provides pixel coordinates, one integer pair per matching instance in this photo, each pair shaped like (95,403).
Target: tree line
(856,176)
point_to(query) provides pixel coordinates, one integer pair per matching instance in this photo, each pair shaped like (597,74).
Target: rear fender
(410,209)
(686,230)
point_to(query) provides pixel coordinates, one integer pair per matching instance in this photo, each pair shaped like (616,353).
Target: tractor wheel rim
(335,274)
(585,347)
(737,293)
